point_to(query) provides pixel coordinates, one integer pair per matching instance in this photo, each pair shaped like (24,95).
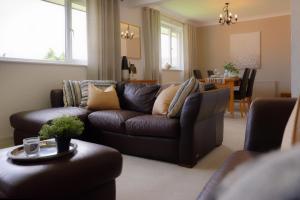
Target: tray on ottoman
(48,150)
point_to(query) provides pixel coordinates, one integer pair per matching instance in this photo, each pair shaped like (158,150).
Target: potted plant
(62,129)
(231,70)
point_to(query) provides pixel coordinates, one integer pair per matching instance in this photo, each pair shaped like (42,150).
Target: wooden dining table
(225,82)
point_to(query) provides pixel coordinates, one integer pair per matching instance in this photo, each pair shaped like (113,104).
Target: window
(51,30)
(171,43)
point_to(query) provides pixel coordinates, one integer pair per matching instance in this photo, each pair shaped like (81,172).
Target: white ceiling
(203,12)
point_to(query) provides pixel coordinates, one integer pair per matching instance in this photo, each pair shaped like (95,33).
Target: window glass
(36,30)
(165,45)
(31,30)
(171,43)
(79,32)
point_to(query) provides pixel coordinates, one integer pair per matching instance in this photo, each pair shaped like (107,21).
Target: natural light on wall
(51,30)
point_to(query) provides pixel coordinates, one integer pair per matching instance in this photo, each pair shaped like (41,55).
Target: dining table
(225,82)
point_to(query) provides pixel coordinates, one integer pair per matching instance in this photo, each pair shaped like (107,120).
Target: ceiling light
(226,17)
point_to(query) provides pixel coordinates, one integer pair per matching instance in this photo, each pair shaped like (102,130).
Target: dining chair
(250,87)
(210,73)
(240,95)
(197,74)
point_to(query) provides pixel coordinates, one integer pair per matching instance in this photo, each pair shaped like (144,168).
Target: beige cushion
(291,134)
(164,99)
(99,99)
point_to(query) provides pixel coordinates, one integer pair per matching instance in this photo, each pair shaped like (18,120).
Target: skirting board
(6,142)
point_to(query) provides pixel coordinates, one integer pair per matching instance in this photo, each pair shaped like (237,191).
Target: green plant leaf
(68,126)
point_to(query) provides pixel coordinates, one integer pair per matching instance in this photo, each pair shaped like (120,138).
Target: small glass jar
(31,146)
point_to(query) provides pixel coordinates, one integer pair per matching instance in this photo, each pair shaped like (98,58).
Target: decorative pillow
(186,88)
(139,97)
(99,99)
(98,83)
(72,93)
(292,130)
(164,99)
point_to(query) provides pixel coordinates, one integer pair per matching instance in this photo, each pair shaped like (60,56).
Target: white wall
(295,69)
(26,86)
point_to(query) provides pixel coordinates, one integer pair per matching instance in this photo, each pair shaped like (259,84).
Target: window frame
(68,45)
(173,28)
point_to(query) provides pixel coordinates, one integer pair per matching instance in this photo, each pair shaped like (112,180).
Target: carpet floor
(149,179)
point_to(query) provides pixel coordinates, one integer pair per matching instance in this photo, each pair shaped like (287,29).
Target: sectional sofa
(134,130)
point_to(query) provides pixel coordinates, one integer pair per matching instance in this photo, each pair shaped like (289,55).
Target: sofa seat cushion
(153,126)
(32,121)
(229,165)
(111,120)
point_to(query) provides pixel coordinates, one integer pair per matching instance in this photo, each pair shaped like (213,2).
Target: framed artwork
(245,50)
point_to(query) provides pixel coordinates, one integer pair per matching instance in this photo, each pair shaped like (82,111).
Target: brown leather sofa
(265,126)
(133,130)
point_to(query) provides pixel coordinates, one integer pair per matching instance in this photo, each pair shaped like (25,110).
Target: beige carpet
(144,179)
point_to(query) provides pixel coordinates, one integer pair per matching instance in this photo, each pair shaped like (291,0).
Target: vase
(125,69)
(63,143)
(125,75)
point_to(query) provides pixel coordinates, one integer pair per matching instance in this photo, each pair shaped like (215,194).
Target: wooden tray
(48,150)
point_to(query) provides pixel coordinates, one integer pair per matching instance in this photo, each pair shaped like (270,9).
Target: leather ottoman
(88,174)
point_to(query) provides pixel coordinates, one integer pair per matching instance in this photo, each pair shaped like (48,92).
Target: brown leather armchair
(264,131)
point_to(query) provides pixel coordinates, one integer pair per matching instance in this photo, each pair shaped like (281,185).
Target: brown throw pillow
(291,134)
(99,99)
(164,100)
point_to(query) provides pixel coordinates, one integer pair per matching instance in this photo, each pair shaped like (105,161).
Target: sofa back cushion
(139,97)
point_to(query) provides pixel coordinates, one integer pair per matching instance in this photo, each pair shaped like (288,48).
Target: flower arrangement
(231,68)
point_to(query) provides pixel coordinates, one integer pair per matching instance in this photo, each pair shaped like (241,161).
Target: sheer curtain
(191,50)
(104,48)
(151,27)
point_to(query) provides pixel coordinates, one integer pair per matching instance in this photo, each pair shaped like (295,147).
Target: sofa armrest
(266,123)
(56,98)
(201,121)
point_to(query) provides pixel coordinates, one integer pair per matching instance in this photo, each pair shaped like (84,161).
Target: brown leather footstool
(88,174)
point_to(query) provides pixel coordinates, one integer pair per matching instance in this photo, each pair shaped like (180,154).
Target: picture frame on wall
(247,55)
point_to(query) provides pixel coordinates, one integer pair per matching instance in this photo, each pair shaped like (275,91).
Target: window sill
(172,70)
(32,61)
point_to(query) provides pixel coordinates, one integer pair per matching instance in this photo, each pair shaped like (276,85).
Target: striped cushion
(72,93)
(186,88)
(103,84)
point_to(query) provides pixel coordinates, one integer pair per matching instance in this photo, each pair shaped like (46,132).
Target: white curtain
(191,50)
(104,48)
(151,27)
